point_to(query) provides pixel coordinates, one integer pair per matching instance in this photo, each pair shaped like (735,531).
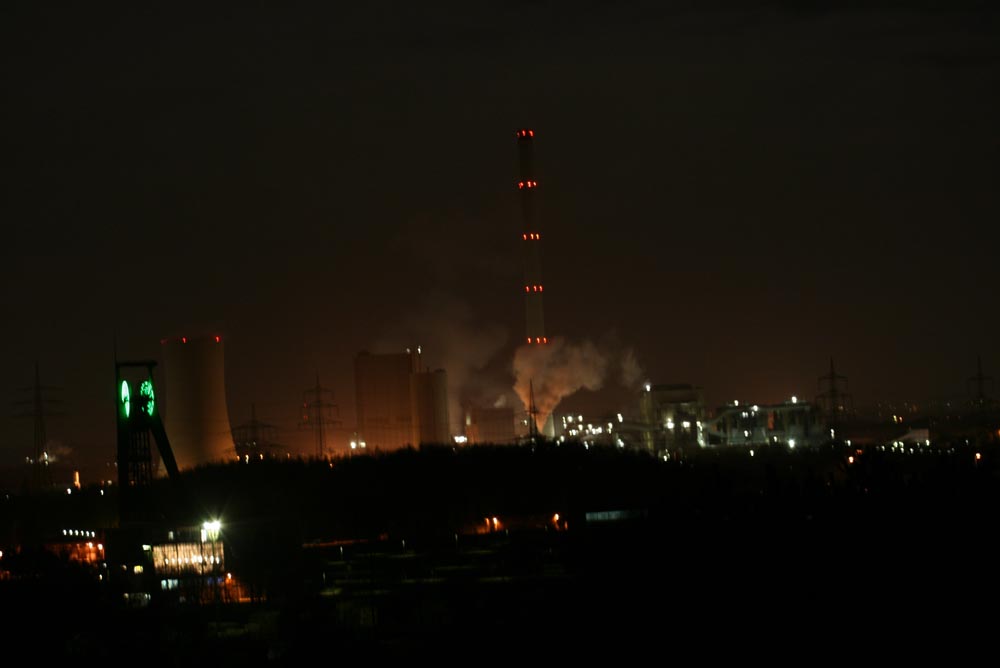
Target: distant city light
(795,399)
(620,419)
(791,442)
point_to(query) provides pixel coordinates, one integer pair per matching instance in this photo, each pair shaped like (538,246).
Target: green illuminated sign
(146,397)
(125,394)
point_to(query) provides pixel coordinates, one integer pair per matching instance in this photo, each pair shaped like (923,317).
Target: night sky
(733,191)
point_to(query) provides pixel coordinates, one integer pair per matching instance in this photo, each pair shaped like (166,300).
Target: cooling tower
(197,420)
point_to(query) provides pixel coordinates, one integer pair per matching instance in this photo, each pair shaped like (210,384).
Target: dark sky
(736,191)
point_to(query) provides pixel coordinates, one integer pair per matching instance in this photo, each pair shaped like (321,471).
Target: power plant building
(197,418)
(398,403)
(672,416)
(489,425)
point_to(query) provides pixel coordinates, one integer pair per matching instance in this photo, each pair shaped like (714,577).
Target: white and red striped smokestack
(531,237)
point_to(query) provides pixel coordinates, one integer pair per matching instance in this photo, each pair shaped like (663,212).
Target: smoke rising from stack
(555,371)
(631,372)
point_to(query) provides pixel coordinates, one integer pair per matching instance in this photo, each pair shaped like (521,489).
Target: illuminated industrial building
(398,403)
(673,417)
(793,423)
(531,237)
(197,418)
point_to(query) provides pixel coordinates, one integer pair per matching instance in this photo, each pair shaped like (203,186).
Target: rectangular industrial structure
(399,404)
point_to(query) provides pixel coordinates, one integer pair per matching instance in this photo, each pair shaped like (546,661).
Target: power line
(316,411)
(41,477)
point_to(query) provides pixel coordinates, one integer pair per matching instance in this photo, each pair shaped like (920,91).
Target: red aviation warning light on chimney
(532,255)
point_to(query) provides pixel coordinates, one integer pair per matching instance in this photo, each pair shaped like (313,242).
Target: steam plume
(555,371)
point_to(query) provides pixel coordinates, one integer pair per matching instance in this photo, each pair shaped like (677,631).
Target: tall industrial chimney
(532,239)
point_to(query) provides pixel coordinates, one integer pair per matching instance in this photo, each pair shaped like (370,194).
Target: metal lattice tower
(41,476)
(981,397)
(316,409)
(835,400)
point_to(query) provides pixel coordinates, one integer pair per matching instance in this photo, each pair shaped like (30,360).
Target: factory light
(620,419)
(791,443)
(210,530)
(795,399)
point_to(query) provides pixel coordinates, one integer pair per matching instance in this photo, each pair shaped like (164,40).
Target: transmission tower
(834,400)
(317,406)
(980,399)
(255,439)
(41,476)
(532,413)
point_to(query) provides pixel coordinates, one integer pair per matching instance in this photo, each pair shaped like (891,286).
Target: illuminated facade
(197,418)
(531,237)
(673,416)
(793,423)
(399,404)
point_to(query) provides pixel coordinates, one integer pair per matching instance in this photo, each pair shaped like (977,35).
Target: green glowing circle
(126,403)
(147,399)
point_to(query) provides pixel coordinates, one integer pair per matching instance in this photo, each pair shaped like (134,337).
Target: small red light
(520,184)
(531,133)
(527,289)
(218,338)
(529,339)
(545,339)
(537,340)
(525,236)
(541,288)
(184,339)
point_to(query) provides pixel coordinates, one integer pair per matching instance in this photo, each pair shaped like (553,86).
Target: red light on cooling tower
(184,339)
(218,339)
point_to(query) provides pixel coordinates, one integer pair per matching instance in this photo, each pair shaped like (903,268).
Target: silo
(197,420)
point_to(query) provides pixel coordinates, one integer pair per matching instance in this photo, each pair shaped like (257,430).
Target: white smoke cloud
(555,371)
(56,451)
(631,372)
